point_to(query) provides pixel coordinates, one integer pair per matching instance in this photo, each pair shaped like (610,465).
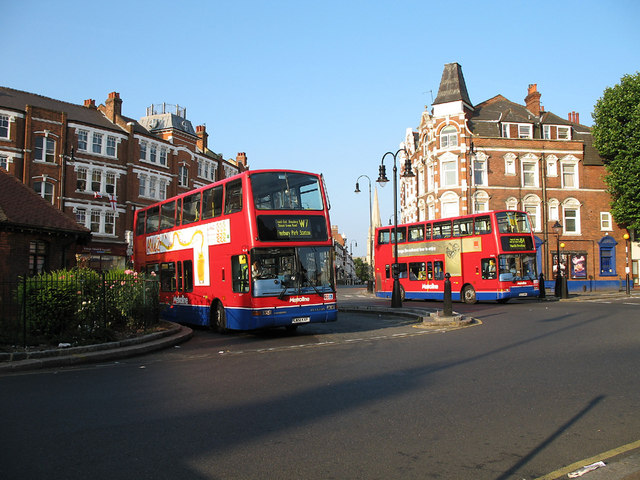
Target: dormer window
(564,133)
(525,131)
(448,137)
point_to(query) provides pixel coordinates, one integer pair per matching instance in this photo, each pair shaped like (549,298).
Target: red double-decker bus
(489,256)
(248,252)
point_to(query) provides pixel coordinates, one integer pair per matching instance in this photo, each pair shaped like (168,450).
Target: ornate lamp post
(370,239)
(396,296)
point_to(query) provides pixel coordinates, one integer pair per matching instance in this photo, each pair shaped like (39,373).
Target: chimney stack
(113,106)
(203,136)
(90,103)
(241,160)
(532,100)
(574,117)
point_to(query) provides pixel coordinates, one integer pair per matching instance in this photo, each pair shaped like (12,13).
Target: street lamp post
(559,287)
(370,239)
(396,296)
(626,263)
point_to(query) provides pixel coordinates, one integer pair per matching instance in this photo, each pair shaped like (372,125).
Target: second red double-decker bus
(489,256)
(251,251)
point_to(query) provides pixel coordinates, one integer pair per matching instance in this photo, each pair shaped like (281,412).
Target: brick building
(100,166)
(499,154)
(34,235)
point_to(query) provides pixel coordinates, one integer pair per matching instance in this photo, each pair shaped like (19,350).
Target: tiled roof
(18,100)
(21,207)
(452,86)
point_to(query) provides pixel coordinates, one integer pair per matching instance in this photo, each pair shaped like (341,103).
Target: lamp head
(407,173)
(382,177)
(357,190)
(626,236)
(557,228)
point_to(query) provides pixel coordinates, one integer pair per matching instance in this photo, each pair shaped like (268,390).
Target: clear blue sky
(322,86)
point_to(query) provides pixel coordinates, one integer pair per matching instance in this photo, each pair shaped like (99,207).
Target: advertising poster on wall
(578,265)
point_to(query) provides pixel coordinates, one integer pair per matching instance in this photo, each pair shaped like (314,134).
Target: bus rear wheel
(220,318)
(469,295)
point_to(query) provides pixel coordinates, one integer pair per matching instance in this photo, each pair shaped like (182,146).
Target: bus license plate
(301,320)
(523,294)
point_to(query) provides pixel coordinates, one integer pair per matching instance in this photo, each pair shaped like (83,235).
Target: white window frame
(5,123)
(525,130)
(571,205)
(152,186)
(449,165)
(448,137)
(183,176)
(573,163)
(510,164)
(449,205)
(47,150)
(511,203)
(531,205)
(46,190)
(96,143)
(552,166)
(566,130)
(530,167)
(546,132)
(480,166)
(83,140)
(554,210)
(480,202)
(506,127)
(112,144)
(4,162)
(606,222)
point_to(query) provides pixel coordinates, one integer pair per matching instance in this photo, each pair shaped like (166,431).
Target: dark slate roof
(21,207)
(18,100)
(452,86)
(167,120)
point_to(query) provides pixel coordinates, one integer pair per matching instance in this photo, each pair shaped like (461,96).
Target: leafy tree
(616,135)
(362,269)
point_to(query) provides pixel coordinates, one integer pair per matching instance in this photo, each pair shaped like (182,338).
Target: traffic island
(439,319)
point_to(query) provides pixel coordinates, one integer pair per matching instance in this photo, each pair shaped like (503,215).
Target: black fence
(76,308)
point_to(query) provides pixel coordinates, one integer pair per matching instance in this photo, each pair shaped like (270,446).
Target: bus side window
(153,219)
(212,202)
(233,197)
(427,231)
(438,268)
(187,270)
(140,222)
(179,286)
(417,271)
(482,225)
(191,208)
(384,237)
(168,277)
(488,268)
(402,270)
(240,273)
(167,215)
(429,271)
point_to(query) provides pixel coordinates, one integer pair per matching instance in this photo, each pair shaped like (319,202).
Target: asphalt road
(535,387)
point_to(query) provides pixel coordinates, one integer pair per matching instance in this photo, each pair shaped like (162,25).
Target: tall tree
(616,135)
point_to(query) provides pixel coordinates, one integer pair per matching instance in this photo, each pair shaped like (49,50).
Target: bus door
(433,286)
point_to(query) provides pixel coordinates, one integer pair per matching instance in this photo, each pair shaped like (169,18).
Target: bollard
(543,293)
(448,312)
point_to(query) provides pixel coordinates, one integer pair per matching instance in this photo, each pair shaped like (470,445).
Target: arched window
(44,189)
(480,202)
(449,205)
(531,205)
(607,256)
(511,203)
(554,209)
(448,137)
(571,216)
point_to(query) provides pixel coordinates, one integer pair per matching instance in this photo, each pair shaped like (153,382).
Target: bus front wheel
(469,294)
(220,318)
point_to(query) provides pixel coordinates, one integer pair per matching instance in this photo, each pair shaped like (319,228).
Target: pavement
(622,463)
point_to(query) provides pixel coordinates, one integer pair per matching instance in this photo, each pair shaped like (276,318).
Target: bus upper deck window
(233,197)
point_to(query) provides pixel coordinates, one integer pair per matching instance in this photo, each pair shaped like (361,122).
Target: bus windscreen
(286,191)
